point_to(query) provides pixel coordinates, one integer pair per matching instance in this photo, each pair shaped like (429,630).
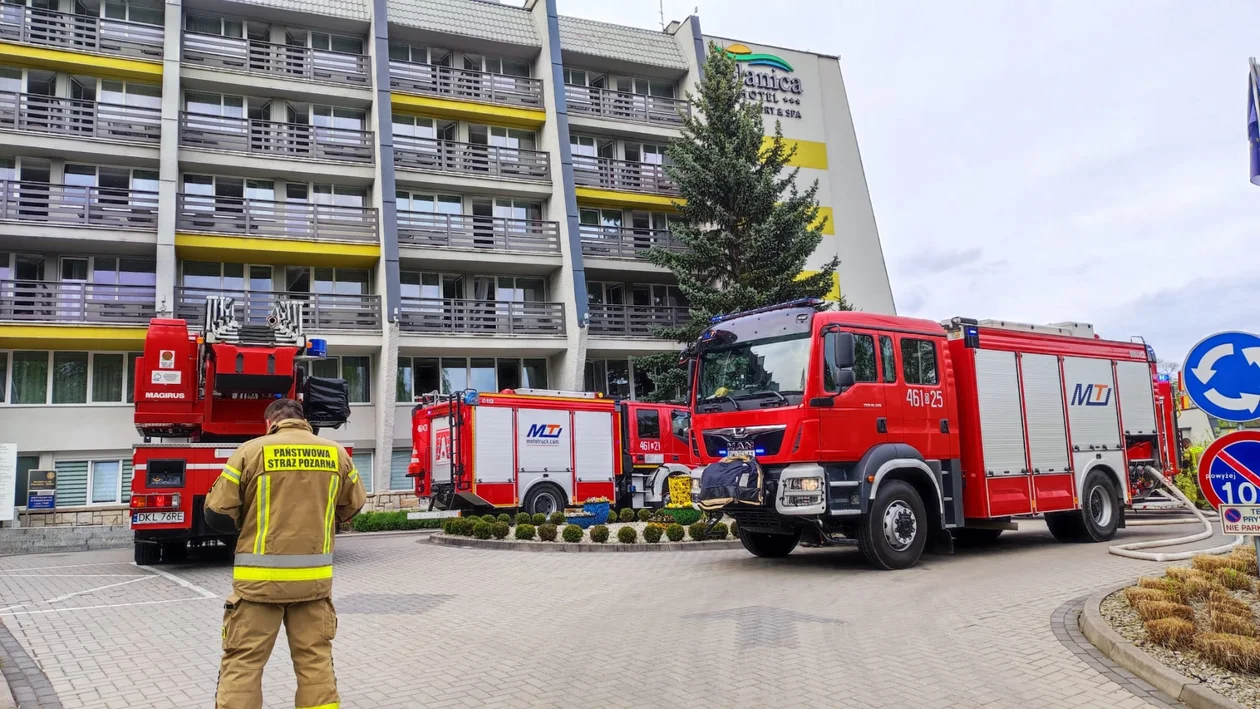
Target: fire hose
(1131,550)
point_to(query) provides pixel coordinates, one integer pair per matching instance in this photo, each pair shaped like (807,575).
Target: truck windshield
(754,374)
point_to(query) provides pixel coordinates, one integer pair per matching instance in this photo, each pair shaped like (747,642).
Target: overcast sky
(1040,162)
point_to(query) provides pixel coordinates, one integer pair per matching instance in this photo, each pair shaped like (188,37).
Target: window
(104,481)
(149,13)
(418,376)
(336,43)
(864,358)
(680,424)
(4,376)
(363,463)
(507,67)
(357,371)
(918,362)
(25,464)
(30,377)
(887,358)
(399,459)
(617,378)
(108,377)
(214,25)
(648,423)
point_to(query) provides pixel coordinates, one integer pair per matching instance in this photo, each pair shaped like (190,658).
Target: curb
(392,533)
(591,547)
(1193,693)
(6,697)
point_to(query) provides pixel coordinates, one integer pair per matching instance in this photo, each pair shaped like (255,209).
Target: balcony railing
(105,207)
(622,106)
(481,317)
(79,119)
(472,159)
(272,139)
(624,242)
(83,33)
(622,175)
(320,311)
(465,84)
(74,302)
(633,320)
(258,217)
(281,60)
(463,231)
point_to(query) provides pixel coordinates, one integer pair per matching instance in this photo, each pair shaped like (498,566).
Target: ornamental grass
(1153,610)
(1133,594)
(1222,621)
(1173,633)
(1232,652)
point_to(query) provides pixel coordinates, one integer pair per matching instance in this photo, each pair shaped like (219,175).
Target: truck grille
(759,520)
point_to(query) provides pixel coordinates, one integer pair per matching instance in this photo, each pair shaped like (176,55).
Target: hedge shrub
(675,532)
(557,518)
(538,518)
(490,519)
(547,532)
(390,521)
(697,531)
(522,518)
(644,515)
(599,534)
(626,515)
(482,529)
(734,529)
(504,518)
(525,532)
(500,529)
(572,533)
(652,533)
(627,535)
(718,531)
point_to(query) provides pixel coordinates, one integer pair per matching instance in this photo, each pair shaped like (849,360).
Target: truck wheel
(544,499)
(769,546)
(975,537)
(895,530)
(147,554)
(1098,518)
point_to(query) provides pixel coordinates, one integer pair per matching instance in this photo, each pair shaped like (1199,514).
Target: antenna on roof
(662,7)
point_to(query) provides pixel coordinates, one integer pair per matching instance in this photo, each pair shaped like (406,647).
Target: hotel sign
(779,93)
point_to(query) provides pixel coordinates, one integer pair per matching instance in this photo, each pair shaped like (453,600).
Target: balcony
(80,119)
(463,231)
(622,175)
(320,311)
(283,220)
(79,33)
(275,140)
(622,106)
(279,60)
(471,159)
(480,317)
(465,84)
(75,302)
(624,242)
(102,207)
(636,321)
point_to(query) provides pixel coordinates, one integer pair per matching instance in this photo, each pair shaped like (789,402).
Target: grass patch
(1173,588)
(1232,652)
(1226,622)
(1172,633)
(1226,601)
(1233,579)
(1154,610)
(1133,594)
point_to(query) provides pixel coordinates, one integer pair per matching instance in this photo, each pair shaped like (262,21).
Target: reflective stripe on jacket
(287,492)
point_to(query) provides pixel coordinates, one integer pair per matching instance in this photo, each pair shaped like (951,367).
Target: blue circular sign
(1222,376)
(1233,516)
(1229,471)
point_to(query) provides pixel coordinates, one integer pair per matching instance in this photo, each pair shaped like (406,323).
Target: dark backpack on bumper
(736,479)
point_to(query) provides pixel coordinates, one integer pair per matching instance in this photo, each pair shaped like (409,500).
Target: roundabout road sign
(1222,375)
(1229,471)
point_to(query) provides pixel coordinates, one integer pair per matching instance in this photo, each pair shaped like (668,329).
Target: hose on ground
(1131,550)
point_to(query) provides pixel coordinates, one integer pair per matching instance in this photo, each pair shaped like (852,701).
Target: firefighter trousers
(249,633)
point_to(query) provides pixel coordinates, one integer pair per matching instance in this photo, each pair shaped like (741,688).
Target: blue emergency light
(317,349)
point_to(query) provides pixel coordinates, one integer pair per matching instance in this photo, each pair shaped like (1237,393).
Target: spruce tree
(746,229)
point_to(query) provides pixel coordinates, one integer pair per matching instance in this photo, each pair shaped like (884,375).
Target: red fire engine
(891,432)
(204,395)
(543,450)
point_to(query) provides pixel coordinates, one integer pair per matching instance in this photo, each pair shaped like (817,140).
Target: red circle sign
(1229,471)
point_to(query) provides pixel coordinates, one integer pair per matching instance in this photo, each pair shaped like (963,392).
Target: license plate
(157,518)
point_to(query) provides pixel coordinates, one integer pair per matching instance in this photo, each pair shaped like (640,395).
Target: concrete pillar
(168,172)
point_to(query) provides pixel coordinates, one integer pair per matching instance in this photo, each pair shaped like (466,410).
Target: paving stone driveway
(429,626)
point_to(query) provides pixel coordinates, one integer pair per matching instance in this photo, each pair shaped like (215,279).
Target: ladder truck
(198,396)
(892,433)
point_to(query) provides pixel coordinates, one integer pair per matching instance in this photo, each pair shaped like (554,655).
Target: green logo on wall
(741,53)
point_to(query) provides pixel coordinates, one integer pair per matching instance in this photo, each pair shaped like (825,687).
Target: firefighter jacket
(286,493)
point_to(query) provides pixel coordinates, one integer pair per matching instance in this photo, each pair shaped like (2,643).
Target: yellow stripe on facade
(611,198)
(833,294)
(827,219)
(258,573)
(810,154)
(80,62)
(469,110)
(59,337)
(295,252)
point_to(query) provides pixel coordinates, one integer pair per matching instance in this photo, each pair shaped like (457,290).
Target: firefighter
(284,493)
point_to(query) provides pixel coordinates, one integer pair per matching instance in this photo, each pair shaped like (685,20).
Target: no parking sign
(1229,471)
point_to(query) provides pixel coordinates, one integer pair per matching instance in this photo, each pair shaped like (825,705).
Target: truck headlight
(805,484)
(803,500)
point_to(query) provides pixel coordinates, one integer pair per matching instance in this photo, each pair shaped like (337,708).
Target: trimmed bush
(1151,610)
(627,535)
(643,515)
(1226,622)
(556,518)
(626,515)
(390,521)
(490,519)
(525,532)
(572,533)
(522,518)
(652,533)
(734,529)
(481,530)
(599,534)
(675,532)
(1232,652)
(683,515)
(538,518)
(504,518)
(500,529)
(718,532)
(1172,633)
(697,531)
(1233,579)
(448,524)
(547,532)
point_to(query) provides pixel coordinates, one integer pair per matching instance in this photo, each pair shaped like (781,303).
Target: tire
(545,498)
(895,531)
(174,552)
(769,546)
(975,537)
(147,554)
(1098,518)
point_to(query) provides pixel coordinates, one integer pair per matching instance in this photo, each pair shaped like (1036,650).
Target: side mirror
(845,379)
(843,356)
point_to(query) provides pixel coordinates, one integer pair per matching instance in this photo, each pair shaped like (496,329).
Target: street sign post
(41,490)
(1240,520)
(1222,376)
(1229,471)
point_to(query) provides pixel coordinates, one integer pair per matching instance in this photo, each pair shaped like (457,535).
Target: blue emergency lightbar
(798,303)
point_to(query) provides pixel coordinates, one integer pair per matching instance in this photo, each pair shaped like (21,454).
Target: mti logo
(1091,395)
(544,430)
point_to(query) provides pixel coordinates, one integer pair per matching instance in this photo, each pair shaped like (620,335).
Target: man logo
(1091,395)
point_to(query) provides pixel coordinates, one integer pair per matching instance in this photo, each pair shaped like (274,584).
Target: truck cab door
(645,437)
(923,419)
(858,419)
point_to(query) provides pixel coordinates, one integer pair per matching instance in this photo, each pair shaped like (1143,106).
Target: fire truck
(543,450)
(892,433)
(198,396)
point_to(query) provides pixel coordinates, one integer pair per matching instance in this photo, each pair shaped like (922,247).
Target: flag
(1253,121)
